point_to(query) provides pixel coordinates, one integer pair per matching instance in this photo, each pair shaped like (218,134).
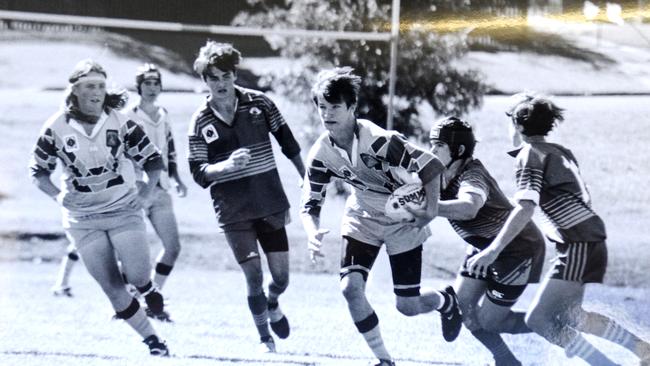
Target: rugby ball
(409,195)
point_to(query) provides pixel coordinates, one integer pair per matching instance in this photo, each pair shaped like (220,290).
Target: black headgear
(454,132)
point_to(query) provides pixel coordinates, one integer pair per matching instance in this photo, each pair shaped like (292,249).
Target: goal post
(391,37)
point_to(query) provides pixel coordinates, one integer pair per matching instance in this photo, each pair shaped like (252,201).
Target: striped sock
(160,274)
(376,343)
(258,307)
(579,347)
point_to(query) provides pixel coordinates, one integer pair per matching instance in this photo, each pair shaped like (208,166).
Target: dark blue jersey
(254,191)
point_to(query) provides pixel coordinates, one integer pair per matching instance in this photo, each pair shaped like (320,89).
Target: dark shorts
(508,276)
(269,231)
(406,267)
(584,262)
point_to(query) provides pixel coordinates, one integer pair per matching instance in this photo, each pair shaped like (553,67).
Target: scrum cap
(454,132)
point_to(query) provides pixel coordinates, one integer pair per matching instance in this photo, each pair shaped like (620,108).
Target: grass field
(213,326)
(212,323)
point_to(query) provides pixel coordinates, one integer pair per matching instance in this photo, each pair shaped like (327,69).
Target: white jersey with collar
(381,162)
(159,133)
(98,176)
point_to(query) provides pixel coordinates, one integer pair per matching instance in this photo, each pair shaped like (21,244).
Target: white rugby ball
(409,195)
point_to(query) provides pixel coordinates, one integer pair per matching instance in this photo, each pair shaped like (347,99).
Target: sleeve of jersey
(399,152)
(473,181)
(280,129)
(197,156)
(44,155)
(314,190)
(141,150)
(171,152)
(529,176)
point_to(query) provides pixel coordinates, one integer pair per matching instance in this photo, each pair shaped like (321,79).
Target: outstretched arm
(465,207)
(517,220)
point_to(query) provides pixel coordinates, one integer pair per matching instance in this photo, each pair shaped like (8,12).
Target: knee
(537,321)
(471,320)
(279,283)
(407,306)
(352,290)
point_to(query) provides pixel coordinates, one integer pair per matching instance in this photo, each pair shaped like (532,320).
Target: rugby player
(477,210)
(154,119)
(230,153)
(101,204)
(372,161)
(547,175)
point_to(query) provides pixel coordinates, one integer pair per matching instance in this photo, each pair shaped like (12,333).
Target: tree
(426,71)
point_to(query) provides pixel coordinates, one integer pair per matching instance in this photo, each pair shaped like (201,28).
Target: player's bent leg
(469,292)
(129,240)
(607,328)
(548,315)
(353,287)
(62,285)
(164,223)
(243,244)
(279,268)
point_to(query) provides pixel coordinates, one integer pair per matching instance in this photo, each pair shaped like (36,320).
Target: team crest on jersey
(112,138)
(255,111)
(70,143)
(209,133)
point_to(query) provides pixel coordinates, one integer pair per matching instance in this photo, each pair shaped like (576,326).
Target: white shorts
(160,201)
(364,220)
(86,231)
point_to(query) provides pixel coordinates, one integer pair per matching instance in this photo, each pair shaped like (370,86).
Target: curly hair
(337,85)
(220,55)
(113,100)
(538,116)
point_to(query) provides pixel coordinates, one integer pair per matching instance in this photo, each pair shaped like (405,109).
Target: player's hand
(421,217)
(236,161)
(181,189)
(314,243)
(479,263)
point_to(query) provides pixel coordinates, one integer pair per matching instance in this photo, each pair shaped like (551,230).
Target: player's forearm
(457,209)
(300,167)
(44,183)
(517,220)
(310,222)
(153,176)
(431,190)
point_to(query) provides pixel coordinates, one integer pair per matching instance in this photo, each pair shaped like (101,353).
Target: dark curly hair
(223,56)
(337,85)
(538,116)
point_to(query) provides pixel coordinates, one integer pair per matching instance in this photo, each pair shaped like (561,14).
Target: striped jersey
(491,217)
(256,190)
(548,175)
(160,134)
(381,162)
(98,175)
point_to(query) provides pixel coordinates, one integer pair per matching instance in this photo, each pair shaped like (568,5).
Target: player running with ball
(374,162)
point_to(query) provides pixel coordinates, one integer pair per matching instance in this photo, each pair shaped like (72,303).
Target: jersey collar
(96,128)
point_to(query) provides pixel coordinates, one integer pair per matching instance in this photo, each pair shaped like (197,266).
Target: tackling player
(101,204)
(370,159)
(548,176)
(230,153)
(477,210)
